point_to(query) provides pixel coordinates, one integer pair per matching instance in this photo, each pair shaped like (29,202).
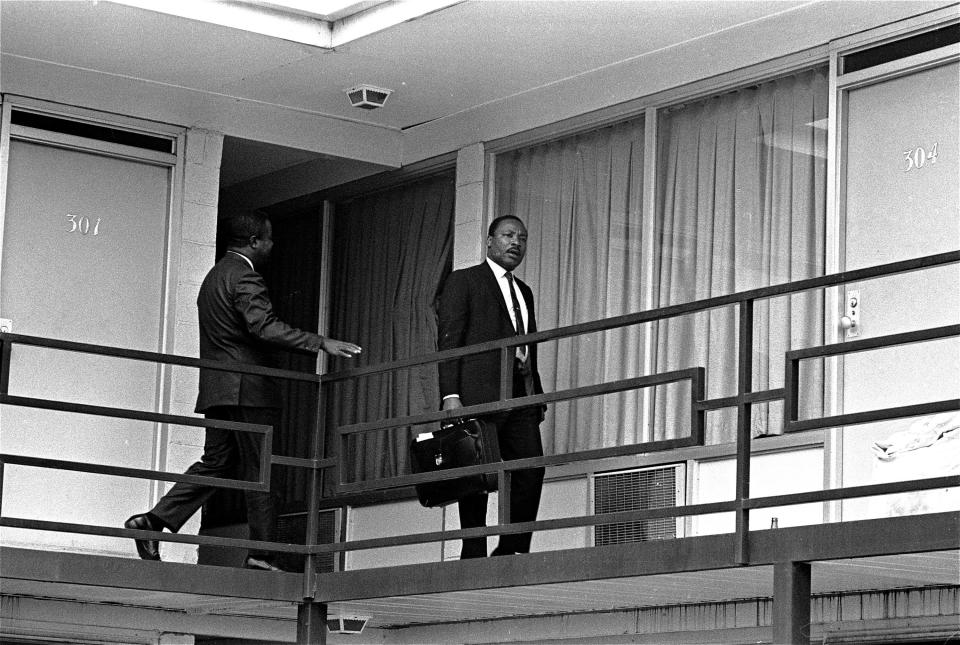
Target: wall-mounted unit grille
(635,490)
(293,529)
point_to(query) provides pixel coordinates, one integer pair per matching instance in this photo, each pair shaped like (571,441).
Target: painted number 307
(81,224)
(917,158)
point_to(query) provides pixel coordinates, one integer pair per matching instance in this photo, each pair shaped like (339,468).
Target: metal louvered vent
(634,490)
(293,528)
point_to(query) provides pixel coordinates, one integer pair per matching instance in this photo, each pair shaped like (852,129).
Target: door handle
(850,321)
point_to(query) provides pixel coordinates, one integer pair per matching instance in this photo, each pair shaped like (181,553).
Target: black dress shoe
(146,549)
(260,565)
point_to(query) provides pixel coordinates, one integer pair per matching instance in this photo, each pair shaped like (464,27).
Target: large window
(740,203)
(581,198)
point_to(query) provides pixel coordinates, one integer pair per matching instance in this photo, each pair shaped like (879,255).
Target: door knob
(850,321)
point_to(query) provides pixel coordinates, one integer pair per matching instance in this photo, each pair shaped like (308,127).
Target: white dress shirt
(504,284)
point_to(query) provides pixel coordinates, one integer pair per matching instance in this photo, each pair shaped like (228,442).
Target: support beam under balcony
(791,603)
(312,623)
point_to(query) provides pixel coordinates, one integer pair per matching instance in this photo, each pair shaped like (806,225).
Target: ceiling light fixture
(368,97)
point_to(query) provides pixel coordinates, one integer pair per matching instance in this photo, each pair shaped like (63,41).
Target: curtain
(741,204)
(580,198)
(391,254)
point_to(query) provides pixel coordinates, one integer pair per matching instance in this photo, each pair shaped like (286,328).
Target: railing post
(744,409)
(314,493)
(311,623)
(6,348)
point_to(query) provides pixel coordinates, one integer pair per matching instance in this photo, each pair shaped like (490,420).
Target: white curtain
(740,204)
(581,200)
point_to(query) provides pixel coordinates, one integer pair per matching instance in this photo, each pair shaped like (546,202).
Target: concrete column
(791,603)
(469,220)
(196,253)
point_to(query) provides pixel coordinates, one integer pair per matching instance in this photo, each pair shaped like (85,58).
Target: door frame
(835,261)
(173,160)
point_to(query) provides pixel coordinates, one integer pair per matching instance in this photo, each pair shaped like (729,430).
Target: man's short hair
(243,225)
(496,222)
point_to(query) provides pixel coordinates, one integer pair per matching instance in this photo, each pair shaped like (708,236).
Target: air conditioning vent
(293,529)
(634,490)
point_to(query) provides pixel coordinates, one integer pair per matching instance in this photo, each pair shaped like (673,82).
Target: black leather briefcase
(469,442)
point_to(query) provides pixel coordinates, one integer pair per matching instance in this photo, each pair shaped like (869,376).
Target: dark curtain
(391,252)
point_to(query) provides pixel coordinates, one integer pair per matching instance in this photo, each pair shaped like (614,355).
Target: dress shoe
(146,549)
(260,565)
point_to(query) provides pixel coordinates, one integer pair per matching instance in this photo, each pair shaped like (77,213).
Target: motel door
(84,249)
(901,200)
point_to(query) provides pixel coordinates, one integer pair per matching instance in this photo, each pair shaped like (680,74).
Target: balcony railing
(743,401)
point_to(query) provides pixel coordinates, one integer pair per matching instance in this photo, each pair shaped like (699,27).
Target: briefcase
(469,442)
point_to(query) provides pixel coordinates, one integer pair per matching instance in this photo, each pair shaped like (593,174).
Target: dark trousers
(228,454)
(519,435)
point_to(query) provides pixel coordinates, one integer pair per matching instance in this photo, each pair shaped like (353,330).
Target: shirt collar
(245,259)
(498,270)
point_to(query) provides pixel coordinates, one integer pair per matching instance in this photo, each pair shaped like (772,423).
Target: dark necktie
(521,351)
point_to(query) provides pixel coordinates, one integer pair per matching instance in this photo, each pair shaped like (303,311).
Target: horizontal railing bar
(520,402)
(300,462)
(870,490)
(857,418)
(156,357)
(523,527)
(646,514)
(109,531)
(760,396)
(515,464)
(671,311)
(134,415)
(138,473)
(878,342)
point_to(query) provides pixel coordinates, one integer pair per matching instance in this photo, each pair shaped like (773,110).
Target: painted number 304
(81,224)
(917,158)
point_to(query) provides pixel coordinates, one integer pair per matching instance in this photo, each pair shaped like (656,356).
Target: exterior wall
(182,445)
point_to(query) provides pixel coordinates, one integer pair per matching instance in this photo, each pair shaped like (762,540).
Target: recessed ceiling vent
(368,97)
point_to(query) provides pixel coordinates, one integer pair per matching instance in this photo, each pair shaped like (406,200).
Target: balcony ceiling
(446,62)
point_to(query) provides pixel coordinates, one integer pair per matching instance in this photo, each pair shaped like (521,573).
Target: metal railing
(743,401)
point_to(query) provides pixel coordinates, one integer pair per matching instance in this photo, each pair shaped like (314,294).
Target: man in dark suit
(483,303)
(237,324)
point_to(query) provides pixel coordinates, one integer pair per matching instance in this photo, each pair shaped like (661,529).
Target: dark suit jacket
(472,310)
(237,324)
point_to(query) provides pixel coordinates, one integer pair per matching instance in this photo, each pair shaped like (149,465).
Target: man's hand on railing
(340,348)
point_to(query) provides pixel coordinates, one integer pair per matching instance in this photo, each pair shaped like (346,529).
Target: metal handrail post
(314,493)
(744,412)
